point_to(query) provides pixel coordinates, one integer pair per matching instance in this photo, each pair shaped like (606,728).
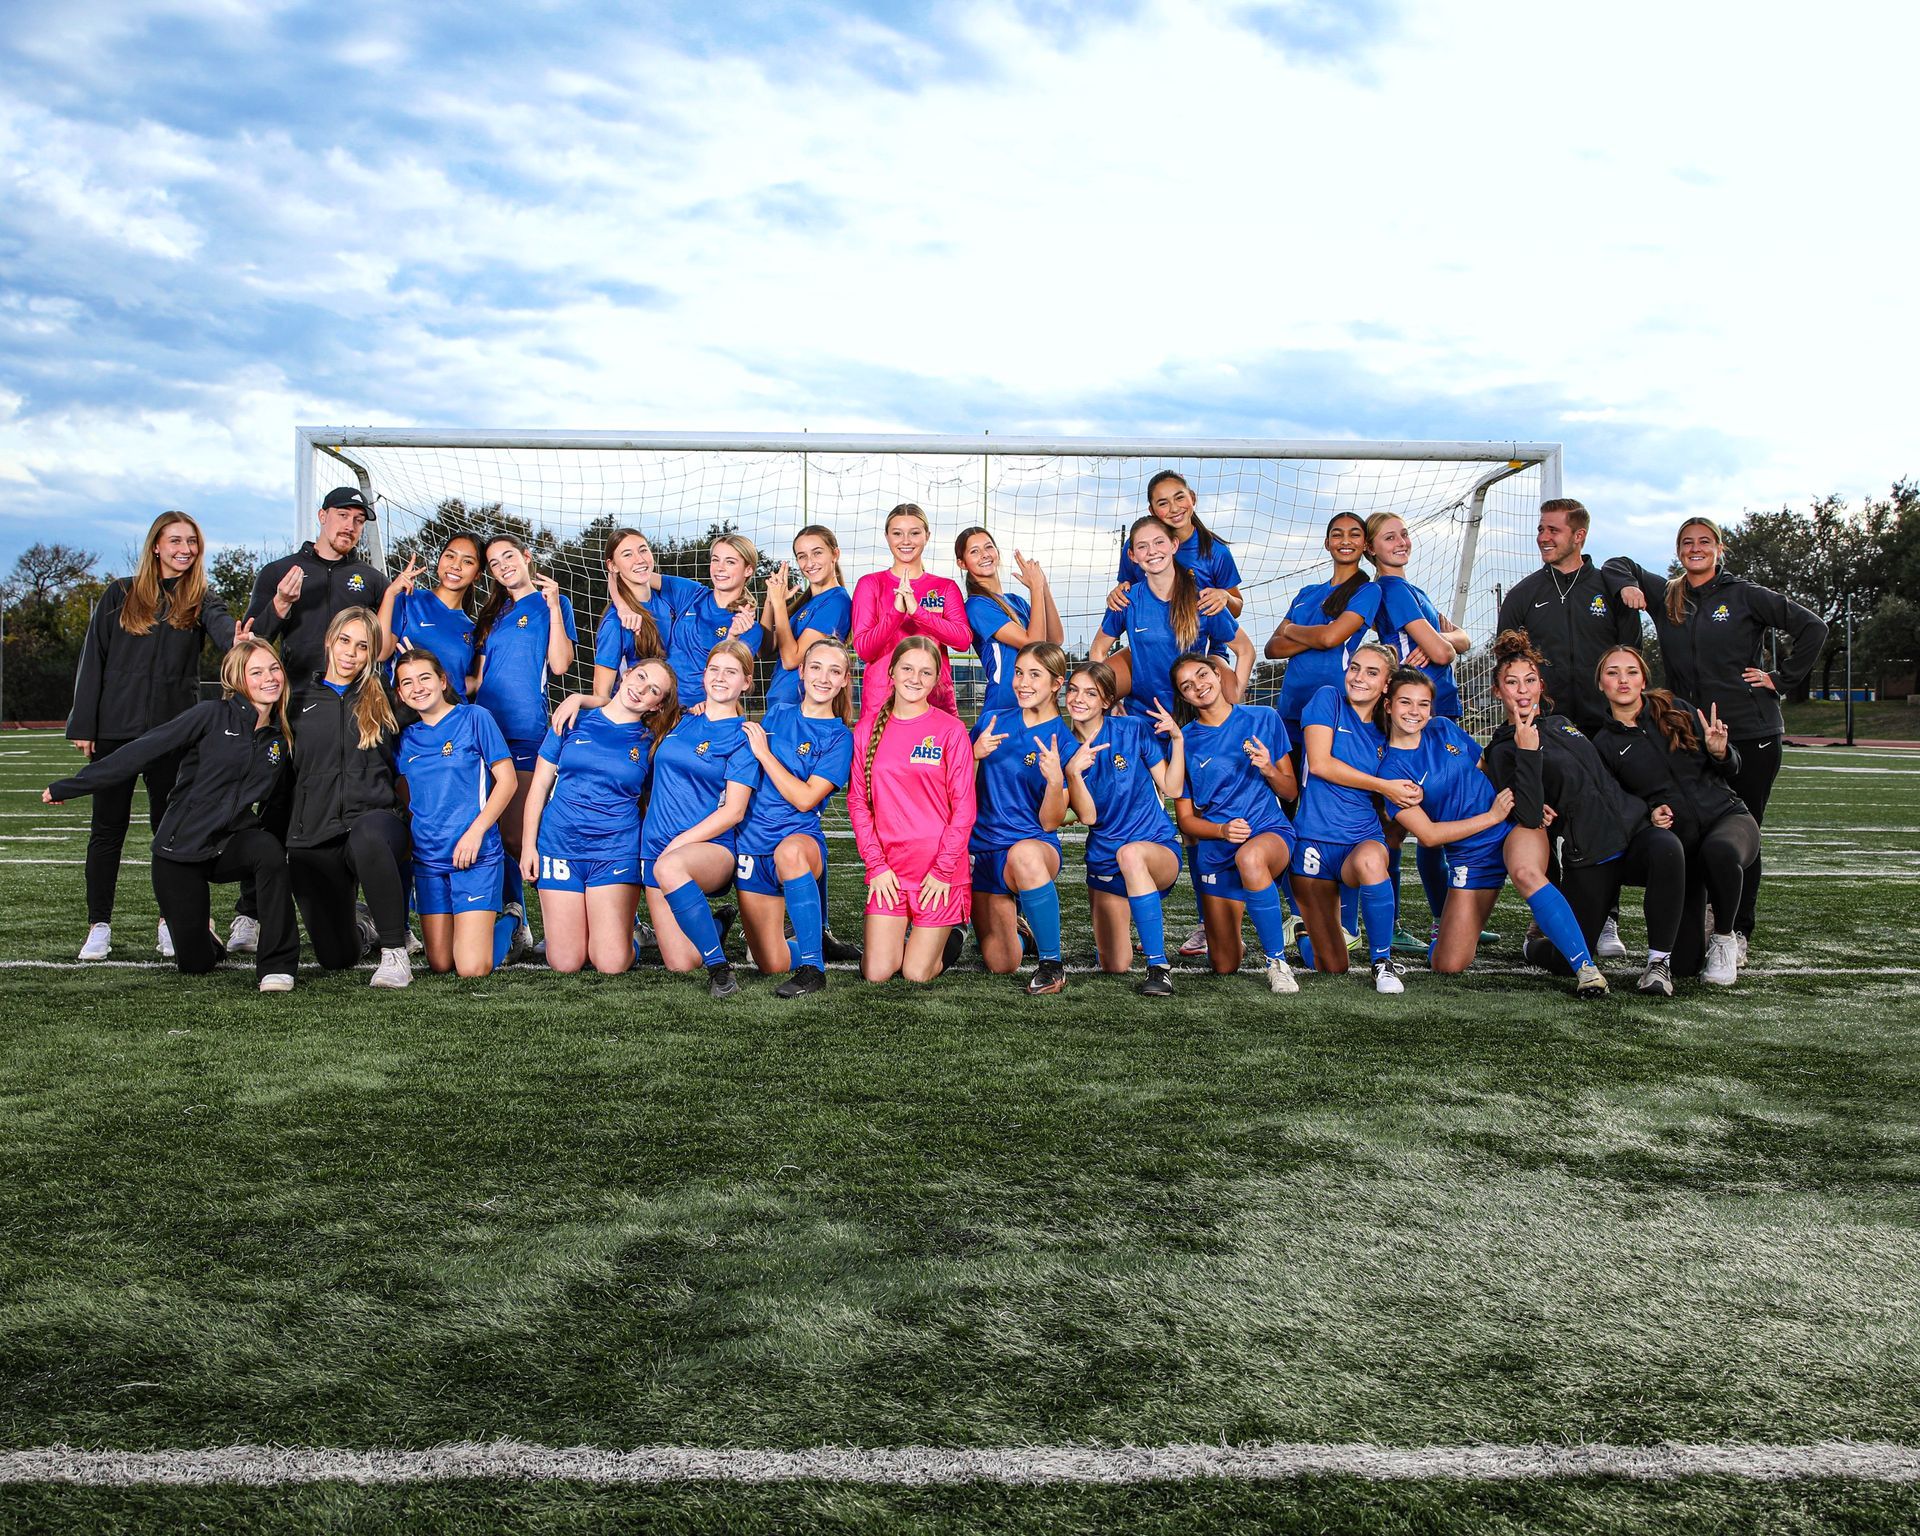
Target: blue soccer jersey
(448,774)
(424,623)
(1446,766)
(1333,813)
(831,613)
(807,748)
(1312,670)
(1147,623)
(985,617)
(1216,568)
(1401,602)
(600,767)
(1008,784)
(702,625)
(1222,782)
(1126,800)
(692,768)
(513,688)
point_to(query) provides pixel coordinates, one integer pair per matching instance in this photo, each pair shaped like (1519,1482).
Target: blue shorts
(1103,871)
(583,875)
(440,892)
(1318,859)
(647,876)
(525,754)
(990,866)
(1216,874)
(754,874)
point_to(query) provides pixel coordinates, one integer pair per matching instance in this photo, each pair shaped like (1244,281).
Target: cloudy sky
(1678,237)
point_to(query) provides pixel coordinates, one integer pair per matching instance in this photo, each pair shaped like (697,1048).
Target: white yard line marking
(928,1466)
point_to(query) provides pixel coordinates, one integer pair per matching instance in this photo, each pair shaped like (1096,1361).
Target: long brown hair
(420,656)
(647,645)
(975,587)
(497,597)
(1659,704)
(748,551)
(1336,600)
(480,559)
(665,715)
(1104,678)
(1677,585)
(233,681)
(1184,611)
(145,595)
(799,599)
(372,712)
(885,712)
(843,700)
(1050,656)
(1208,538)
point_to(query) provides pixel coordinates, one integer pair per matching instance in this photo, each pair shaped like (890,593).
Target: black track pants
(184,892)
(372,856)
(112,813)
(1759,767)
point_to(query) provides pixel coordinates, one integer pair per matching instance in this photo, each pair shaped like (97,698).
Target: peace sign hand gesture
(1526,730)
(1163,722)
(1716,732)
(1028,571)
(988,741)
(1049,760)
(1081,761)
(404,582)
(1257,753)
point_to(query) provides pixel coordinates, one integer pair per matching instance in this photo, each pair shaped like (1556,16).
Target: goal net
(1471,508)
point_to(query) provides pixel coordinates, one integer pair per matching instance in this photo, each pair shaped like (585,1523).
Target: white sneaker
(1740,944)
(395,970)
(369,934)
(276,981)
(1194,943)
(414,946)
(1723,961)
(244,937)
(99,942)
(163,941)
(1609,946)
(1279,978)
(1384,979)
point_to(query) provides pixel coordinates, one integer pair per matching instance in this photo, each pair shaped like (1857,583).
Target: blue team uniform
(613,641)
(1333,818)
(702,625)
(427,624)
(590,829)
(1216,568)
(692,768)
(448,774)
(807,748)
(513,688)
(831,613)
(985,618)
(1223,785)
(1446,766)
(1126,800)
(1008,790)
(1310,671)
(1401,602)
(1147,623)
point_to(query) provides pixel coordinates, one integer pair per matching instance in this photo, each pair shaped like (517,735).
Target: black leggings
(185,895)
(373,854)
(1759,767)
(1655,860)
(112,812)
(1717,871)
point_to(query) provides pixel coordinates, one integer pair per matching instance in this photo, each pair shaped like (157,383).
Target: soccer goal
(1065,502)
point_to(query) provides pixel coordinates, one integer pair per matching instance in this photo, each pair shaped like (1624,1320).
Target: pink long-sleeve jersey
(921,812)
(878,627)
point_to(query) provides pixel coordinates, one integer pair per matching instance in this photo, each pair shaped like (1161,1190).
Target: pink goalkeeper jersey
(921,812)
(878,627)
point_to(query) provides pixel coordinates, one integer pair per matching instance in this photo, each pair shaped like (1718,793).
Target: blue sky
(1677,238)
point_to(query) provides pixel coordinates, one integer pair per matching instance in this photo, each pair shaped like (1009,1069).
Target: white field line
(1878,773)
(928,1466)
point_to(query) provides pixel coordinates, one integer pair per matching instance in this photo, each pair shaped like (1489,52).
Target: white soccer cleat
(1385,981)
(244,937)
(1610,946)
(99,942)
(1740,944)
(414,946)
(276,981)
(1723,961)
(1194,943)
(1588,982)
(163,941)
(395,969)
(1279,978)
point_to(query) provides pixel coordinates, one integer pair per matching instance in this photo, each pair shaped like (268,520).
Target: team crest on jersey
(1598,607)
(633,754)
(701,749)
(1119,762)
(356,582)
(937,601)
(927,752)
(446,749)
(1570,728)
(805,748)
(273,753)
(521,622)
(1030,759)
(466,638)
(719,631)
(1451,748)
(1720,615)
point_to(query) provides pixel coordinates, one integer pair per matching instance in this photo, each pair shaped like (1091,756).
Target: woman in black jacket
(1607,837)
(1665,751)
(345,828)
(1711,626)
(232,754)
(139,668)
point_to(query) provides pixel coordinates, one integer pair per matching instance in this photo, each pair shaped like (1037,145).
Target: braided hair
(885,713)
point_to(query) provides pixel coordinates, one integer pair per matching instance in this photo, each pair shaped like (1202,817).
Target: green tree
(48,598)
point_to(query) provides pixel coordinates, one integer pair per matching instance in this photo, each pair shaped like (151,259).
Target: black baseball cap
(348,496)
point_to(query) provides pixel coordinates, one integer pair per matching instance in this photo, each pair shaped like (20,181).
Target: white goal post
(1064,501)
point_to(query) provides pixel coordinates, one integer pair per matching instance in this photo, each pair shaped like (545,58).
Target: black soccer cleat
(950,955)
(1049,976)
(721,982)
(803,982)
(838,952)
(1159,982)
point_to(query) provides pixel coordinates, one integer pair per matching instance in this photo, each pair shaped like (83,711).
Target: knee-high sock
(804,911)
(1557,922)
(1393,878)
(1151,923)
(505,926)
(1041,908)
(1376,911)
(1349,909)
(513,890)
(1432,864)
(695,918)
(1269,921)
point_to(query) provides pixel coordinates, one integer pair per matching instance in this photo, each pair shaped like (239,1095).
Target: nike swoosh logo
(1543,602)
(471,898)
(309,708)
(1203,762)
(1625,750)
(1343,730)
(229,733)
(623,871)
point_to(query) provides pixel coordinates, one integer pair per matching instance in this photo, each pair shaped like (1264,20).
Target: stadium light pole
(1849,611)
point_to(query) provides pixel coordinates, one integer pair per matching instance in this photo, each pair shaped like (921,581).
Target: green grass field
(575,1211)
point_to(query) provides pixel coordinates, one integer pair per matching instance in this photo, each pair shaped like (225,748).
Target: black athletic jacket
(1693,783)
(1726,619)
(1593,816)
(335,779)
(127,684)
(330,585)
(230,765)
(1571,625)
